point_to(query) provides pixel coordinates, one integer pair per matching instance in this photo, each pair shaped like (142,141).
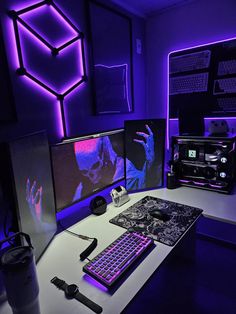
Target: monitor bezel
(78,139)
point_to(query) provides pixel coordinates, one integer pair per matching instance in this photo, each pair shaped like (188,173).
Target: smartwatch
(72,292)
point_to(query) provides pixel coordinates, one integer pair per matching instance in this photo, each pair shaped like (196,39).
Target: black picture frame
(7,103)
(110,34)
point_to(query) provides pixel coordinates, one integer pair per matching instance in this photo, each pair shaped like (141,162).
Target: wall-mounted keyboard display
(204,76)
(161,220)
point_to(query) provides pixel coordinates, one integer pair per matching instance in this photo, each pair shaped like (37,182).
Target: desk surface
(62,256)
(215,205)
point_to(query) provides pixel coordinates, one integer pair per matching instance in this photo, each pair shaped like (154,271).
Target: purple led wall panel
(27,24)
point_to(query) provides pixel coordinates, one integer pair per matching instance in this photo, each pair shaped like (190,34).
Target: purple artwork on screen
(34,195)
(144,141)
(135,178)
(98,163)
(87,165)
(34,199)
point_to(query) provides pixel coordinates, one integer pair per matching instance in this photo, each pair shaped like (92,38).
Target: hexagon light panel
(53,49)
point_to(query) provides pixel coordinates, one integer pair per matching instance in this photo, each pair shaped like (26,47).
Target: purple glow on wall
(202,45)
(167,108)
(58,116)
(20,22)
(12,44)
(52,14)
(213,118)
(126,77)
(37,41)
(59,119)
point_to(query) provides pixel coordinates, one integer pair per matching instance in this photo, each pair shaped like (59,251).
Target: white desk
(62,256)
(215,205)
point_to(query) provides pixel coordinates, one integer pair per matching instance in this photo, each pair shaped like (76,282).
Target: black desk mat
(137,218)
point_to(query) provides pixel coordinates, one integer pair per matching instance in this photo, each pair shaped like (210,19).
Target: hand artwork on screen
(34,199)
(135,178)
(148,145)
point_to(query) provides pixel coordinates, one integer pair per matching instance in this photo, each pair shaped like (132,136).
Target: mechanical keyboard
(227,104)
(225,86)
(227,67)
(190,62)
(194,83)
(113,262)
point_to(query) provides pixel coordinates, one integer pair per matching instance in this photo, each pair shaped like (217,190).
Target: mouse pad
(138,218)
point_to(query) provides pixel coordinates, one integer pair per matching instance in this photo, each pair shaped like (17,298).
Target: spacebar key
(127,260)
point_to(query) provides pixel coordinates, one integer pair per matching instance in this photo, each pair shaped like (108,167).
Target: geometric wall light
(20,19)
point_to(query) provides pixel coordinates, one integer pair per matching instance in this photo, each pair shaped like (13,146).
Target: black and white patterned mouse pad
(175,220)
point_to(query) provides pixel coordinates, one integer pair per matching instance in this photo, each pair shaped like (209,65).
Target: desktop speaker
(98,205)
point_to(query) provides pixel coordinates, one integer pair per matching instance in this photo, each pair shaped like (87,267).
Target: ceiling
(147,8)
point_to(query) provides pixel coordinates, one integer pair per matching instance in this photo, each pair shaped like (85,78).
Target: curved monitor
(86,165)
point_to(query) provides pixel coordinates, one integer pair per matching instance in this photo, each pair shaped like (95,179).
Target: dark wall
(37,109)
(196,23)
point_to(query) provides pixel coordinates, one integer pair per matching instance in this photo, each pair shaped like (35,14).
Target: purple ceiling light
(28,19)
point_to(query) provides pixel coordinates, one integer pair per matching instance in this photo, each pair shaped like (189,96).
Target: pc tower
(205,162)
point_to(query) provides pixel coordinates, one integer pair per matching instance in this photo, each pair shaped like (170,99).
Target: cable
(89,249)
(75,234)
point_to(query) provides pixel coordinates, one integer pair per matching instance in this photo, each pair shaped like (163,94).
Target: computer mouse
(159,214)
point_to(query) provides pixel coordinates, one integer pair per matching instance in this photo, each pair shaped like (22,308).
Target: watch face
(71,291)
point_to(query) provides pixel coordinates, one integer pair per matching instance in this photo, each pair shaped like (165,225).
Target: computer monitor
(33,189)
(86,165)
(144,147)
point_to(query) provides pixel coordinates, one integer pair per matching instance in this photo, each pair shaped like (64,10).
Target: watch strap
(59,283)
(89,303)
